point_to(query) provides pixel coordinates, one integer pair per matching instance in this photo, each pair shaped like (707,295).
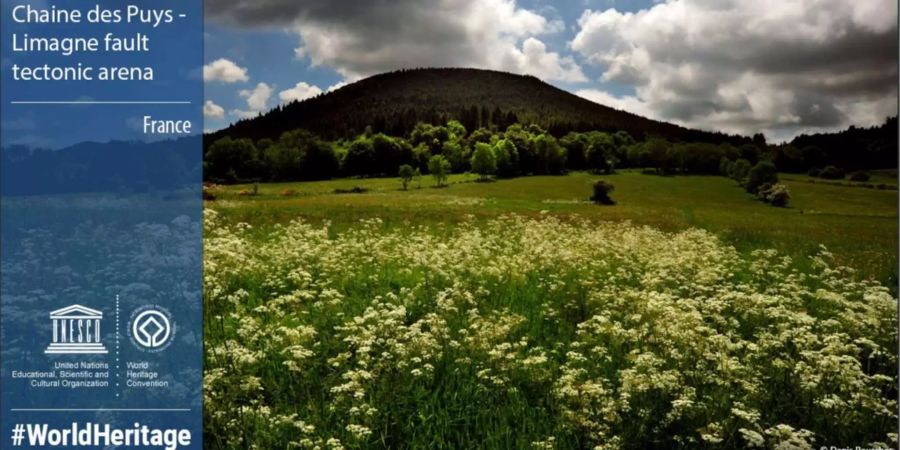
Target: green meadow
(509,314)
(856,223)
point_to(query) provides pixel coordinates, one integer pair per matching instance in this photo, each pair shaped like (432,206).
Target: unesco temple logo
(76,330)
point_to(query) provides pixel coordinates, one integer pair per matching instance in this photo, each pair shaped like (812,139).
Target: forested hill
(853,148)
(394,102)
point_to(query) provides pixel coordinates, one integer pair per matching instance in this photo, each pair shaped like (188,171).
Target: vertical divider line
(117,345)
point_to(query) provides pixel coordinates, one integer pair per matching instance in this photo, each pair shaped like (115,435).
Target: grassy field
(514,314)
(859,225)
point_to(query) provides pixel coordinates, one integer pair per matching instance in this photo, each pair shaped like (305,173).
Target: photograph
(550,225)
(449,224)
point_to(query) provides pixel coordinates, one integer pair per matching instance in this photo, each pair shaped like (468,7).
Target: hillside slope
(393,102)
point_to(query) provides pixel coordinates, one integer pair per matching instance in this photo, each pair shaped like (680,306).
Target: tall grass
(537,333)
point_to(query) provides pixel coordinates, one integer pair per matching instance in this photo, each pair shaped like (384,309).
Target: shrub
(360,157)
(763,172)
(725,165)
(739,170)
(353,190)
(602,189)
(832,173)
(776,195)
(549,156)
(319,161)
(814,172)
(406,173)
(507,158)
(859,175)
(299,155)
(439,168)
(457,155)
(232,159)
(599,153)
(484,162)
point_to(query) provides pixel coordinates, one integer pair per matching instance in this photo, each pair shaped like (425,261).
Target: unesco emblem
(151,328)
(76,330)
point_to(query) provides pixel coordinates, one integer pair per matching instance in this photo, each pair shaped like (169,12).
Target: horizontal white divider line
(99,409)
(76,352)
(99,102)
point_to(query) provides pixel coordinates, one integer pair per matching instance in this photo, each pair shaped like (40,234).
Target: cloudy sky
(780,67)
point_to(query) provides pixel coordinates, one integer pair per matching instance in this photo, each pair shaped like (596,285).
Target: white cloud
(257,97)
(534,59)
(337,86)
(257,100)
(225,71)
(244,114)
(776,66)
(358,39)
(212,110)
(301,91)
(628,103)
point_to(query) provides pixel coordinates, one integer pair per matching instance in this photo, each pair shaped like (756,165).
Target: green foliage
(360,157)
(750,152)
(537,152)
(576,145)
(420,156)
(700,158)
(764,172)
(789,158)
(657,153)
(389,153)
(832,173)
(263,144)
(622,139)
(484,162)
(430,135)
(739,170)
(319,161)
(638,155)
(300,155)
(521,139)
(439,168)
(407,173)
(483,135)
(283,162)
(548,157)
(725,166)
(456,129)
(232,160)
(457,155)
(600,154)
(507,158)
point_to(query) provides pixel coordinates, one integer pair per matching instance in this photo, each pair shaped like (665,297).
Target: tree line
(517,150)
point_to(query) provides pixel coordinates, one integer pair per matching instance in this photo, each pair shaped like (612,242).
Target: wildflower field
(509,328)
